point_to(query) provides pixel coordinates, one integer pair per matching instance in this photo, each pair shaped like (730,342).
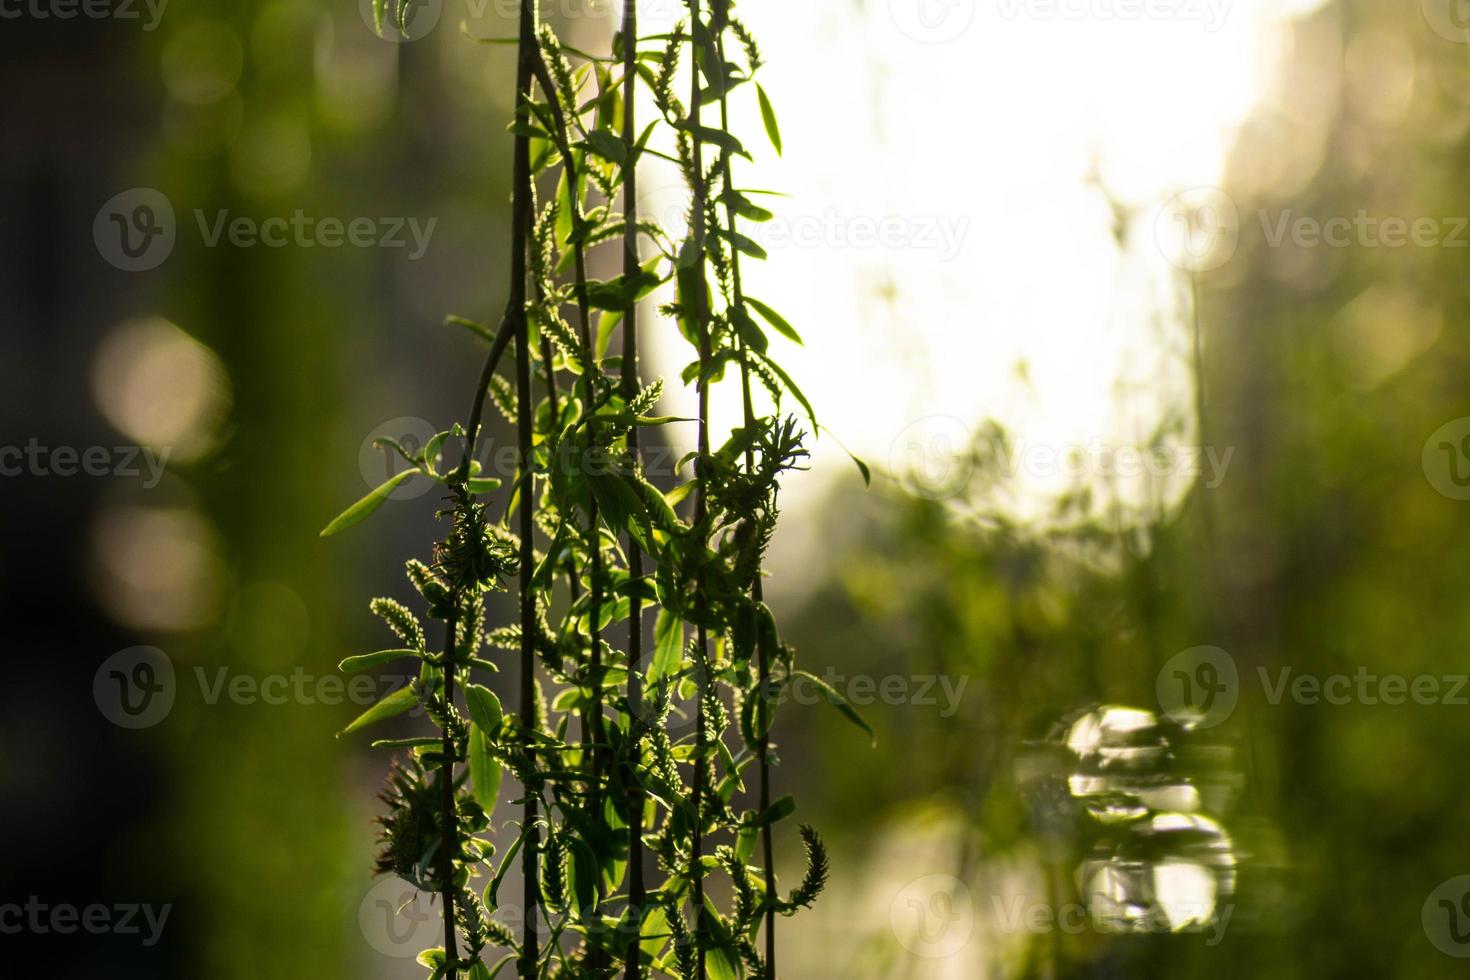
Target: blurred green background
(1015,602)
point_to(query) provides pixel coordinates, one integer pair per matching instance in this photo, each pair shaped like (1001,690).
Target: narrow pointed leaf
(365,660)
(485,710)
(390,706)
(840,703)
(768,116)
(361,510)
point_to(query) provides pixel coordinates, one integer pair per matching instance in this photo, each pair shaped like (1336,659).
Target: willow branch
(701,325)
(637,890)
(525,421)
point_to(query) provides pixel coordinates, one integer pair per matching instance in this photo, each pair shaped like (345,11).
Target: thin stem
(503,337)
(701,325)
(525,421)
(763,654)
(449,844)
(637,890)
(592,734)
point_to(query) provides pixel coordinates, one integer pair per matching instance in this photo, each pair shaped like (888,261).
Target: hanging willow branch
(597,543)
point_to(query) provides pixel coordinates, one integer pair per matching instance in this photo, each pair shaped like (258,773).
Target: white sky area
(946,225)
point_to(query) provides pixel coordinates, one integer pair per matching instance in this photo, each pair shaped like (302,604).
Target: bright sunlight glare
(986,247)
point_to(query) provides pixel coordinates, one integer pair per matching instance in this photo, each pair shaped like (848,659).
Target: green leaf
(606,321)
(485,772)
(485,710)
(668,646)
(491,896)
(478,329)
(780,372)
(433,449)
(768,116)
(776,320)
(365,660)
(778,811)
(718,137)
(654,934)
(840,703)
(720,965)
(742,243)
(421,741)
(391,705)
(582,872)
(660,512)
(361,510)
(676,495)
(617,293)
(608,146)
(617,502)
(750,332)
(745,207)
